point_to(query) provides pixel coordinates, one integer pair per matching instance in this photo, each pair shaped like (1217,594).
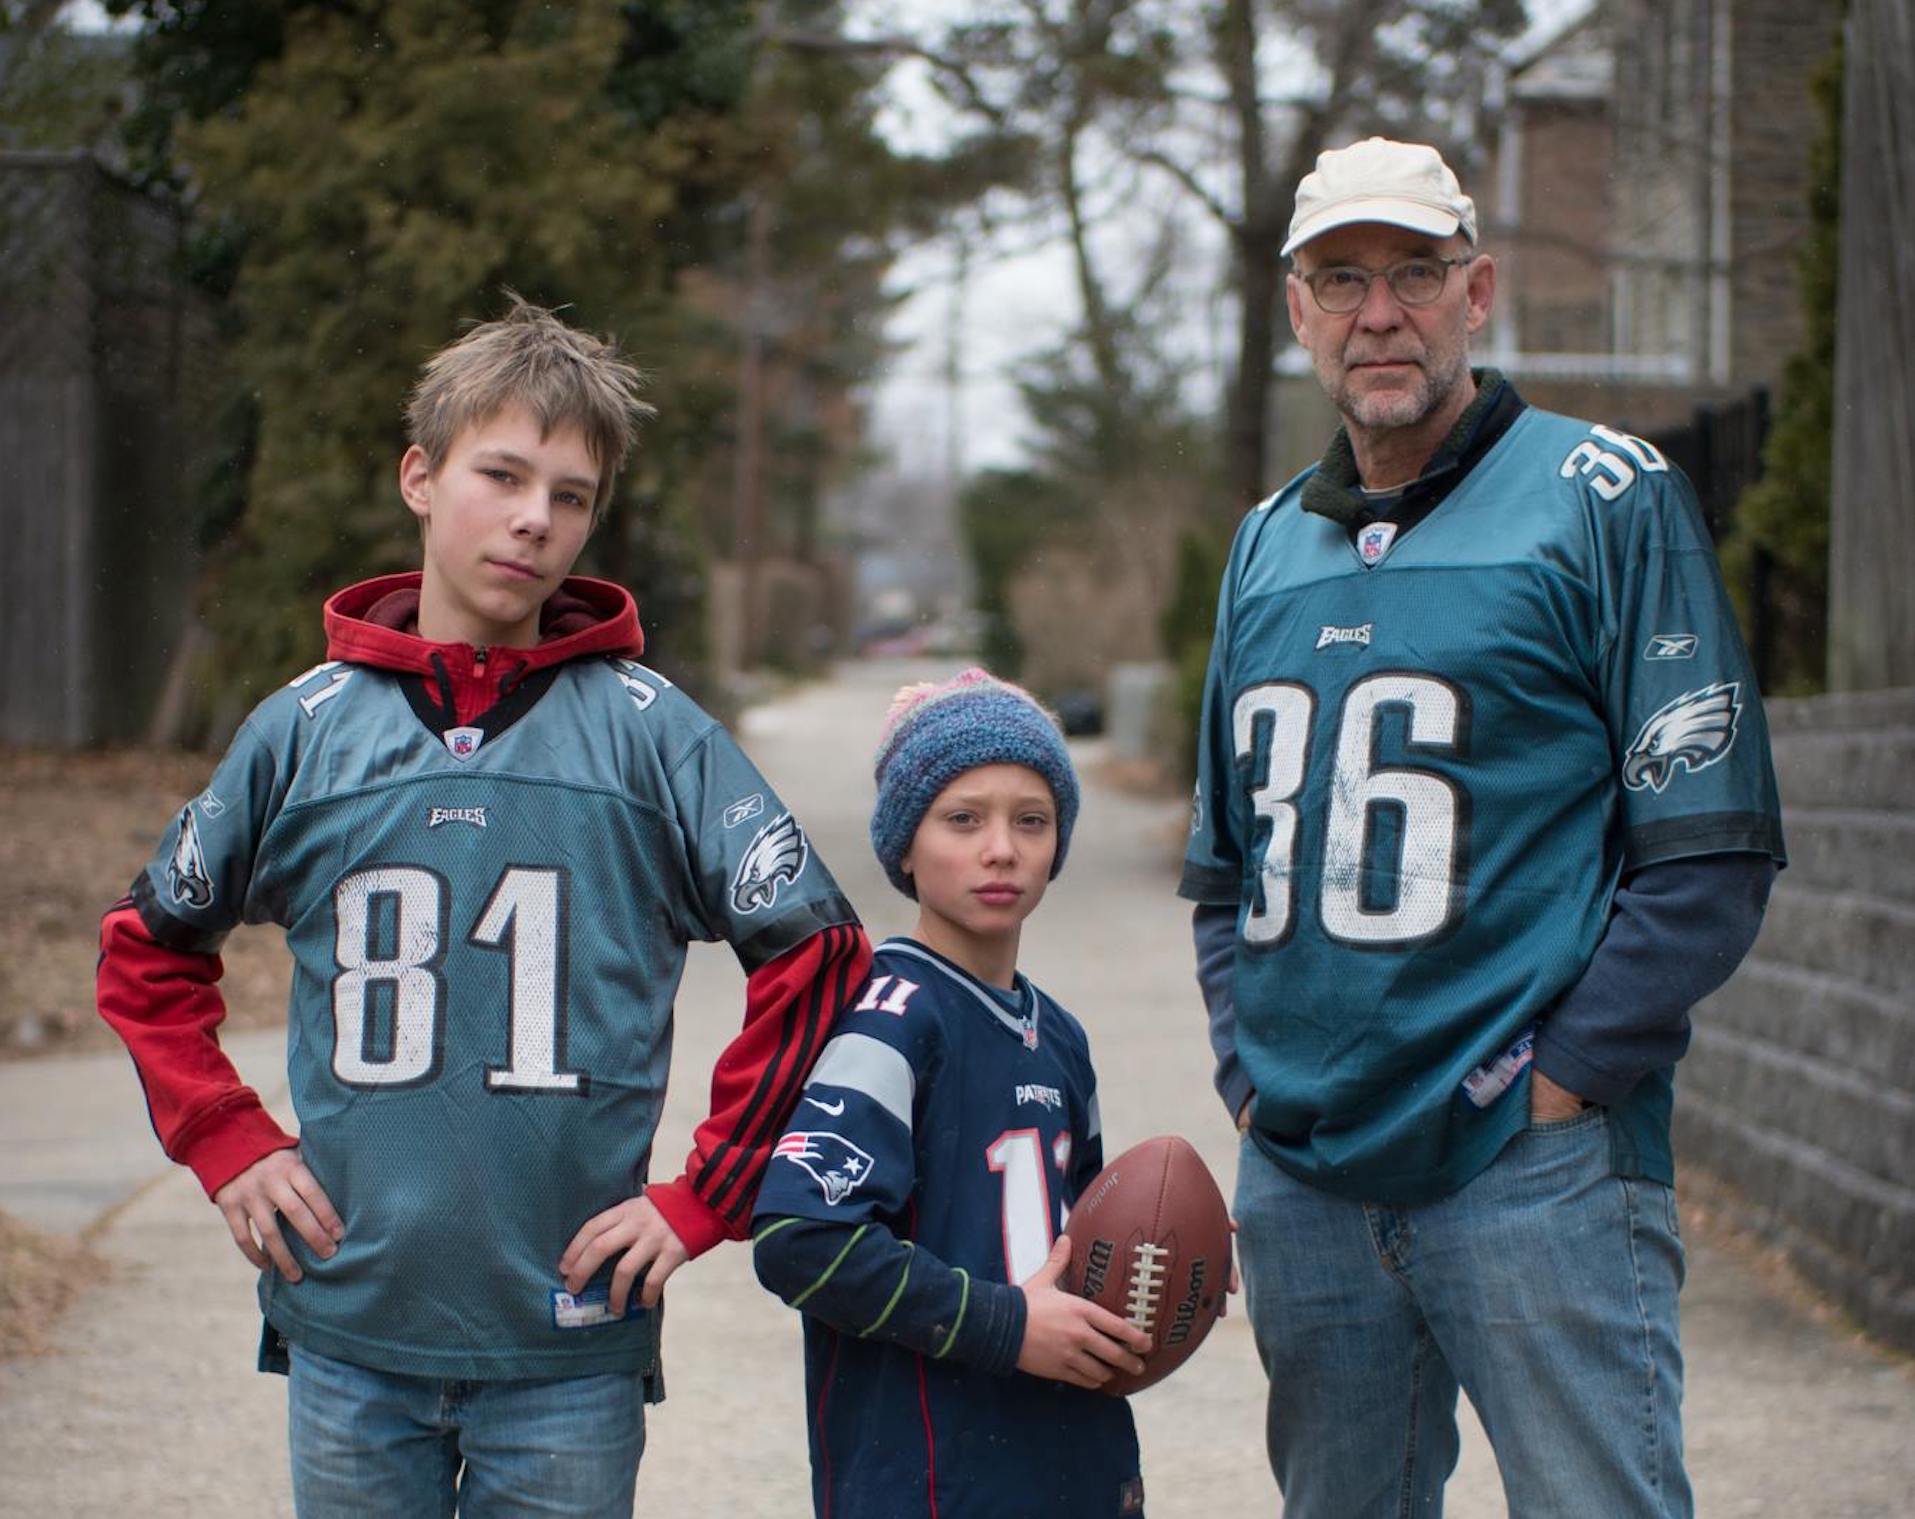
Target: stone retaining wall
(1799,1089)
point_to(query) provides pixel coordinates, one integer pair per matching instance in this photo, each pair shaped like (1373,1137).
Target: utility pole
(954,335)
(748,471)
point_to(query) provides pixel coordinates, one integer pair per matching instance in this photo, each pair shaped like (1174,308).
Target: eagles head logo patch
(186,871)
(777,853)
(835,1163)
(1691,732)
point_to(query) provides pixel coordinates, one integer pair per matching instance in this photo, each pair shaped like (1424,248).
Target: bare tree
(1078,85)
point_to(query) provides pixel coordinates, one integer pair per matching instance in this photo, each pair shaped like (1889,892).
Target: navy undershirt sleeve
(1215,930)
(1677,930)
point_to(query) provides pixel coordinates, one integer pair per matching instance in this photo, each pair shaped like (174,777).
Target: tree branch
(895,47)
(1189,181)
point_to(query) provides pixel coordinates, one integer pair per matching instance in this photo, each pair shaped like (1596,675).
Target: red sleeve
(789,1005)
(165,1004)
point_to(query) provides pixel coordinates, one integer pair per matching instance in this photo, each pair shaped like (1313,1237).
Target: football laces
(1147,1271)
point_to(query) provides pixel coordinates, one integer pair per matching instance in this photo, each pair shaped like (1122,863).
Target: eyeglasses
(1341,288)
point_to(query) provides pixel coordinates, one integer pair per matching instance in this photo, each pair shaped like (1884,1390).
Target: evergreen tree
(366,174)
(1776,556)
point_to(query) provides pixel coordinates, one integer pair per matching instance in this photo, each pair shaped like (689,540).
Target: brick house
(1646,190)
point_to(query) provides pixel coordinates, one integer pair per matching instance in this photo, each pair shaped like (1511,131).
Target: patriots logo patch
(837,1165)
(778,853)
(186,871)
(1693,732)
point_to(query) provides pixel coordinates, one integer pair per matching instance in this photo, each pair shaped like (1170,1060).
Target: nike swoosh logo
(834,1109)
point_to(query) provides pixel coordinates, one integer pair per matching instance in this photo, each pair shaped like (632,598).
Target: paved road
(147,1404)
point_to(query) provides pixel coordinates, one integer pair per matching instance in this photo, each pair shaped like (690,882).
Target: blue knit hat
(935,732)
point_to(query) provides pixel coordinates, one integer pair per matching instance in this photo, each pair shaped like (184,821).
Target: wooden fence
(96,343)
(1872,524)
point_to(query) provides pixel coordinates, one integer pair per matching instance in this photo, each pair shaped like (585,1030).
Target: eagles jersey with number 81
(1426,760)
(488,925)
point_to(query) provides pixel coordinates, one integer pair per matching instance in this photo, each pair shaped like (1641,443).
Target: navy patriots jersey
(1428,755)
(945,1132)
(488,925)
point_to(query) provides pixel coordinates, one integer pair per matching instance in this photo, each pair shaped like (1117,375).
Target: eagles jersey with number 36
(488,925)
(1428,755)
(945,1131)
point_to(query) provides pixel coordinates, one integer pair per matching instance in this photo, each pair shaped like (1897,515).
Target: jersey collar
(1021,1024)
(1333,489)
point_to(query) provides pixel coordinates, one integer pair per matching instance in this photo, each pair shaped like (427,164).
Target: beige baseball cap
(1405,184)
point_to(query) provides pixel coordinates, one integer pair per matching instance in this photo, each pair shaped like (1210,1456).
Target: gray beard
(1390,411)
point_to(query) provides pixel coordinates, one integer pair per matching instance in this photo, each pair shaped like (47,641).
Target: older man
(1484,806)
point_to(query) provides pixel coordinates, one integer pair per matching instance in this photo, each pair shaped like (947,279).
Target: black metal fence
(1720,449)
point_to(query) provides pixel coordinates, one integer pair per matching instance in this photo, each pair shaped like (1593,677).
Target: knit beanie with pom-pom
(935,731)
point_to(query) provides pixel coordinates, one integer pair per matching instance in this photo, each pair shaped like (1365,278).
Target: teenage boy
(488,834)
(914,1210)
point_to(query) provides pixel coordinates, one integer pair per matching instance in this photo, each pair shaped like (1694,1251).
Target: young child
(913,1210)
(488,834)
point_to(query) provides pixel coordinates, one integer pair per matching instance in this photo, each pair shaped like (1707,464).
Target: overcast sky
(1017,306)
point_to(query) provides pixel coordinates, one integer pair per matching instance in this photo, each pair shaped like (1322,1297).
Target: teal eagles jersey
(1427,759)
(488,930)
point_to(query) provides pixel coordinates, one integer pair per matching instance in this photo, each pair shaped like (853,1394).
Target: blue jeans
(1546,1289)
(368,1444)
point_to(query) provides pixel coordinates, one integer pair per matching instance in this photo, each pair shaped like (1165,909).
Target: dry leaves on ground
(74,830)
(39,1274)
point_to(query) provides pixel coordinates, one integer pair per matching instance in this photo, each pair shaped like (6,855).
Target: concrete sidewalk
(147,1402)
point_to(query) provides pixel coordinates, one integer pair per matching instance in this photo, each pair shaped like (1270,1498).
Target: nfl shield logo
(463,743)
(1030,1035)
(1374,541)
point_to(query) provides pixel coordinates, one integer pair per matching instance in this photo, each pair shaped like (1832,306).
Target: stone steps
(1864,939)
(1818,1015)
(1842,712)
(1872,853)
(1882,1303)
(1856,1117)
(1799,1088)
(1867,1220)
(1827,753)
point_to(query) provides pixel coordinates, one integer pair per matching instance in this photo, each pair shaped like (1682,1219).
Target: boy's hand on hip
(1070,1339)
(638,1229)
(275,1187)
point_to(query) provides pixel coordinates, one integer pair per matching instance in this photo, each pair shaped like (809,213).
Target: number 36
(1277,719)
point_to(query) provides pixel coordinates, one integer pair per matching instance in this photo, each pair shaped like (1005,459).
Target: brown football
(1150,1241)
